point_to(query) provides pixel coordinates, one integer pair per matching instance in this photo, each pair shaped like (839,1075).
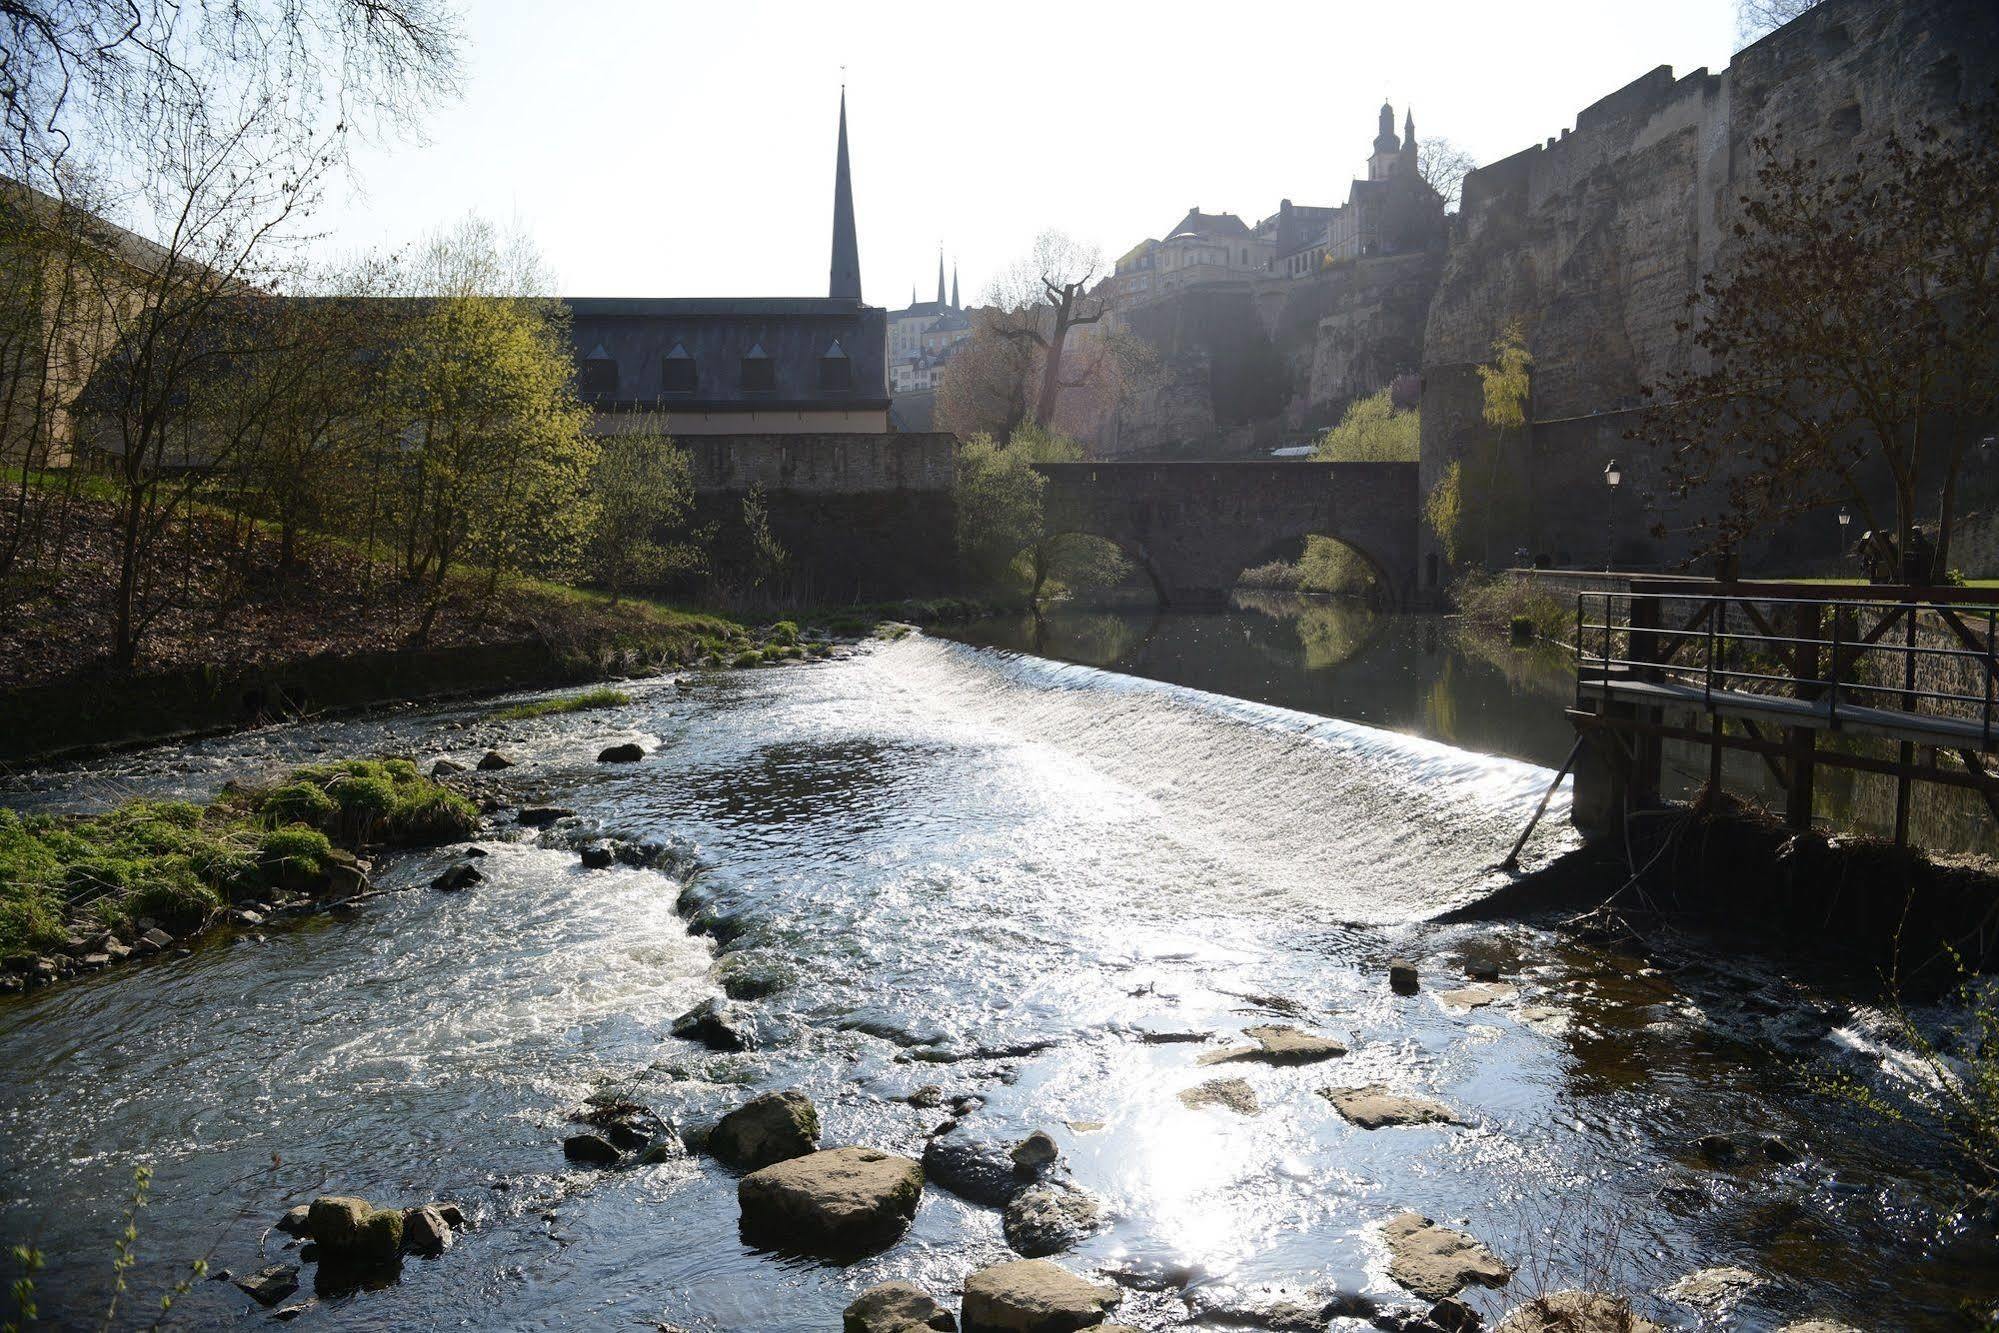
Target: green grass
(601,697)
(175,862)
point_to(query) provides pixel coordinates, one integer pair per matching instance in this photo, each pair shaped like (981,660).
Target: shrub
(749,658)
(784,632)
(181,902)
(430,814)
(298,803)
(296,845)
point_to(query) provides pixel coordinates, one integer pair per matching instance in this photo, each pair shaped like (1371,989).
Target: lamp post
(1844,519)
(1611,477)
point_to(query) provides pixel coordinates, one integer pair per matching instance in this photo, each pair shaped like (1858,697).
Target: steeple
(1409,131)
(940,275)
(845,283)
(1386,142)
(954,285)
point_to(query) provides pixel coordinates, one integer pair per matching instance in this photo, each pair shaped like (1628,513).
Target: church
(803,365)
(1391,212)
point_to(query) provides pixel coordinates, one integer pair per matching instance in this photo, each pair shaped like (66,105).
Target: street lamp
(1611,477)
(1844,519)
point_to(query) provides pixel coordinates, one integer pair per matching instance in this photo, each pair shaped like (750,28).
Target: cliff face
(1248,366)
(1595,240)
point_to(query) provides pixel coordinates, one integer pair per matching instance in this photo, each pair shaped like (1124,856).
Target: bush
(748,659)
(295,845)
(430,815)
(298,803)
(784,632)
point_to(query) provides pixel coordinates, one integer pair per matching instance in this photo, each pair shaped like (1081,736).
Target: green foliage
(768,558)
(747,659)
(644,492)
(299,803)
(1507,378)
(998,497)
(23,1289)
(1500,602)
(306,849)
(1372,430)
(601,697)
(784,632)
(1444,510)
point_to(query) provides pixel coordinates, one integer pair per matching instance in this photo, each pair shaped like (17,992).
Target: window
(677,370)
(836,371)
(759,371)
(599,375)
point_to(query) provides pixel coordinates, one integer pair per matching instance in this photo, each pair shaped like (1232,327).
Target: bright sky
(686,149)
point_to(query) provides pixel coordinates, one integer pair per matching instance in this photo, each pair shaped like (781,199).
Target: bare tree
(1759,18)
(96,78)
(1041,301)
(1443,166)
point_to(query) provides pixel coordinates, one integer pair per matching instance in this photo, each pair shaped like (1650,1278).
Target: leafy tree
(643,487)
(1851,347)
(1505,381)
(768,558)
(1443,509)
(1002,528)
(1372,430)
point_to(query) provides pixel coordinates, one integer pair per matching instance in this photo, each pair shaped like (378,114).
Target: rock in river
(1713,1290)
(896,1307)
(590,1150)
(1279,1044)
(1576,1312)
(268,1286)
(715,1024)
(973,1168)
(630,752)
(839,1201)
(540,816)
(775,1127)
(425,1230)
(461,876)
(1048,1219)
(494,759)
(1435,1262)
(1233,1093)
(354,1233)
(597,856)
(1034,1296)
(295,1221)
(1375,1107)
(1035,1153)
(1402,977)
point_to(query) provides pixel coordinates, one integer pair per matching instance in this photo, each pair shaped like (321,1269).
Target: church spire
(845,283)
(1409,130)
(940,275)
(954,284)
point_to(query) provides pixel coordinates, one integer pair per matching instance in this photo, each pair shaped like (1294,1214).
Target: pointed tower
(940,275)
(954,286)
(845,283)
(1409,131)
(1386,146)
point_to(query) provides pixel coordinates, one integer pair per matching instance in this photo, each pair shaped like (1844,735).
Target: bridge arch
(1200,524)
(1291,548)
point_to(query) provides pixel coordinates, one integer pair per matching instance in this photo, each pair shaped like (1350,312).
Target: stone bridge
(1194,527)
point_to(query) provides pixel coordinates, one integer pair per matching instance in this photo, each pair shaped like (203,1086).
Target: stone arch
(1135,551)
(1292,546)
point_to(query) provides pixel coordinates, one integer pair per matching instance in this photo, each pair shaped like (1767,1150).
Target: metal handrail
(1716,638)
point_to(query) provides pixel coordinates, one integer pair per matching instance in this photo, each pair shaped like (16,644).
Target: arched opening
(1085,569)
(1319,565)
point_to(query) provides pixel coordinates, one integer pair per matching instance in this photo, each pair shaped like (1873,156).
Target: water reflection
(1332,656)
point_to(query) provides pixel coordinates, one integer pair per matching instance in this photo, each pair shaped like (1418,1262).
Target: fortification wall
(1596,238)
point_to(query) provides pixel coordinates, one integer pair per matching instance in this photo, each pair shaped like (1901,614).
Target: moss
(297,848)
(430,815)
(298,803)
(601,697)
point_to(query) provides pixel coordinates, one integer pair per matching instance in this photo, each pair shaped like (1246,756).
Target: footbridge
(1195,526)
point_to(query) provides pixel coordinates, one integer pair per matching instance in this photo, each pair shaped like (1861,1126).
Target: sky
(669,148)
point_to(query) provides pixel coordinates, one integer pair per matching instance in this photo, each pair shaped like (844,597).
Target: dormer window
(599,374)
(759,371)
(677,370)
(836,370)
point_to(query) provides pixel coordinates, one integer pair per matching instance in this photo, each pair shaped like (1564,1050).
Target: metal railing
(1728,642)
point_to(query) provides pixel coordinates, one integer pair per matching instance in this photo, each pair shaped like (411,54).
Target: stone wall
(863,517)
(1596,238)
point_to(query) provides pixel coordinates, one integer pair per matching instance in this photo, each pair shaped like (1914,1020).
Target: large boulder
(354,1233)
(837,1202)
(1576,1312)
(1435,1262)
(775,1127)
(630,752)
(976,1169)
(1048,1219)
(896,1307)
(1034,1296)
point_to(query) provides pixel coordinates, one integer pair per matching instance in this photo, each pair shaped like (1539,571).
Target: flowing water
(1041,883)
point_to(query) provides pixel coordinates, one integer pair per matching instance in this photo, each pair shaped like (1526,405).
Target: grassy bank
(1506,605)
(174,865)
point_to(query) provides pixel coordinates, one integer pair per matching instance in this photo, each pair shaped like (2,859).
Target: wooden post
(1807,625)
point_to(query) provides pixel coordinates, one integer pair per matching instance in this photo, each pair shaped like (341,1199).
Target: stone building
(1393,211)
(1203,248)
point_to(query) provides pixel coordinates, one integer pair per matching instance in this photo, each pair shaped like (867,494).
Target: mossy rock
(354,1233)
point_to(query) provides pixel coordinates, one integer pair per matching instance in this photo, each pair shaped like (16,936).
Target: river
(1000,873)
